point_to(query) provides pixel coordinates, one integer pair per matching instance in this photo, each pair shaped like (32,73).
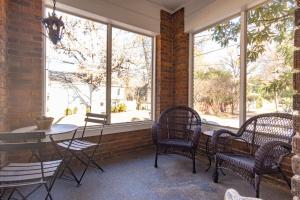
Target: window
(270,58)
(131,83)
(76,73)
(217,74)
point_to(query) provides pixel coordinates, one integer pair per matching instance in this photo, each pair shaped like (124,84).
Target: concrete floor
(133,177)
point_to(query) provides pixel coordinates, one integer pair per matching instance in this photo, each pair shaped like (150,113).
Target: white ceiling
(170,5)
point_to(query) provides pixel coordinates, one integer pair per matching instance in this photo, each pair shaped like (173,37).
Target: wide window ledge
(210,127)
(118,128)
(108,129)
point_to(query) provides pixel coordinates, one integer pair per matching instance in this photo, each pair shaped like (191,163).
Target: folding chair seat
(15,175)
(77,145)
(84,150)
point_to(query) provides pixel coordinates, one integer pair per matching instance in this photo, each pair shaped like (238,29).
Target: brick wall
(24,60)
(296,107)
(171,62)
(112,145)
(3,67)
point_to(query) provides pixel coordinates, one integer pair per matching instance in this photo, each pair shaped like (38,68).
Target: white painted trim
(92,16)
(216,12)
(108,72)
(109,129)
(120,128)
(153,81)
(243,68)
(210,127)
(191,71)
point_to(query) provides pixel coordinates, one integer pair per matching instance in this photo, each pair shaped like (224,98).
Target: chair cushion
(176,143)
(243,161)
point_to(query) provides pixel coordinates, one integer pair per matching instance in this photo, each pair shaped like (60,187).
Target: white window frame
(116,127)
(243,13)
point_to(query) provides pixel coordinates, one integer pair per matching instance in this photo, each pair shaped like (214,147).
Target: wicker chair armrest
(155,132)
(196,136)
(217,134)
(270,155)
(221,143)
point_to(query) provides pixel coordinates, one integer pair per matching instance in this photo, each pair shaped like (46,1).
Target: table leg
(207,153)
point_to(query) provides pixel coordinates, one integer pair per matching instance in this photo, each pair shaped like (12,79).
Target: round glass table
(55,129)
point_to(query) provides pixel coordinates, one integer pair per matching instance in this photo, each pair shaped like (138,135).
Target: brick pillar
(164,64)
(180,59)
(3,66)
(296,106)
(24,60)
(172,48)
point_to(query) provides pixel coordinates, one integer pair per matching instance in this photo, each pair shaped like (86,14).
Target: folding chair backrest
(100,119)
(96,118)
(21,141)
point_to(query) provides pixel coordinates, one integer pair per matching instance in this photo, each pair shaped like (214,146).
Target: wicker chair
(177,132)
(267,139)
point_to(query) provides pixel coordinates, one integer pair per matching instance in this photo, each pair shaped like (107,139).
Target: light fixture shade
(54,27)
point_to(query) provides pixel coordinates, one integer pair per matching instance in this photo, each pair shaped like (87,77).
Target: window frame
(115,127)
(243,13)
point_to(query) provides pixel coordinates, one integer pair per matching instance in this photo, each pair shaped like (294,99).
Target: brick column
(296,106)
(172,62)
(164,64)
(180,59)
(24,61)
(3,66)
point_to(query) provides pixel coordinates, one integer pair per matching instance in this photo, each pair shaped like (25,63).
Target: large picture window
(131,83)
(76,73)
(217,74)
(218,94)
(270,58)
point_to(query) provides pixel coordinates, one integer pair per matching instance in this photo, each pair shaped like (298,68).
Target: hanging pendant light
(54,26)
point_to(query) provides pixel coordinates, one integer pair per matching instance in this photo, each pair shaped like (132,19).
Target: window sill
(118,128)
(109,129)
(210,127)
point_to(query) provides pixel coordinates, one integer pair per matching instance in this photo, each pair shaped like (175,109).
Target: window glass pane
(270,57)
(76,70)
(131,76)
(217,73)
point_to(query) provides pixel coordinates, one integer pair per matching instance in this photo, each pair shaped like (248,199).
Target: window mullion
(243,68)
(108,72)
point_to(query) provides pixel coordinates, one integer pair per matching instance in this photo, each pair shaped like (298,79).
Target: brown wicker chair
(177,132)
(267,138)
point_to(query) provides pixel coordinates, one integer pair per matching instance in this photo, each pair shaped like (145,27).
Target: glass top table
(56,129)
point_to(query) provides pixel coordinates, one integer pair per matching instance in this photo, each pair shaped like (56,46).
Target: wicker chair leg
(156,155)
(285,178)
(256,185)
(194,162)
(216,172)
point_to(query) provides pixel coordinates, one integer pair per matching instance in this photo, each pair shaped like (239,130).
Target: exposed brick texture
(3,66)
(296,106)
(171,62)
(164,64)
(24,59)
(112,145)
(180,59)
